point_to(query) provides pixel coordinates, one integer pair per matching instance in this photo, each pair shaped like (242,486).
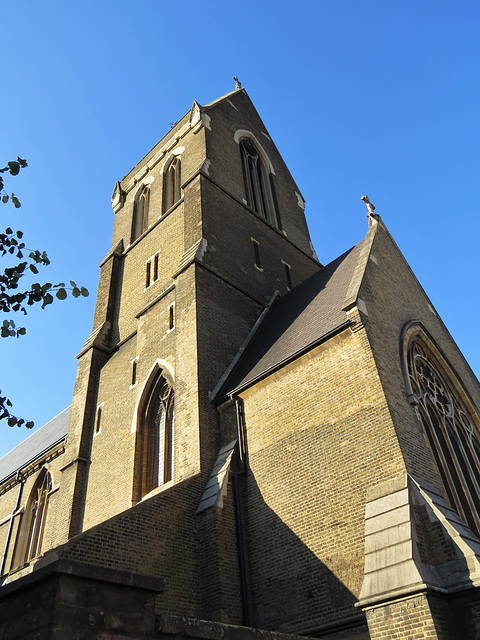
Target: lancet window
(155,464)
(258,185)
(172,181)
(140,213)
(32,525)
(450,427)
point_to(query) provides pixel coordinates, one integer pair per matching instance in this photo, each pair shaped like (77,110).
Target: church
(259,446)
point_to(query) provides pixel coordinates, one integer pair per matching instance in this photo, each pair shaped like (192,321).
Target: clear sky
(373,97)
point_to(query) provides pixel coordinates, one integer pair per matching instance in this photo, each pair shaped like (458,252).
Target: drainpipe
(19,479)
(241,547)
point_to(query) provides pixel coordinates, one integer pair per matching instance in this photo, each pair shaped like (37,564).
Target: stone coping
(73,568)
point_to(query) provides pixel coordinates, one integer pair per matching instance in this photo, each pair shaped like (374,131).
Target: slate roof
(295,323)
(40,441)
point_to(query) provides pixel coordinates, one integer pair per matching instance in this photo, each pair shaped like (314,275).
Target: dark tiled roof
(36,444)
(295,322)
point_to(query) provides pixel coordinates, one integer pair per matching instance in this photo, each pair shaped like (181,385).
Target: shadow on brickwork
(291,589)
(113,311)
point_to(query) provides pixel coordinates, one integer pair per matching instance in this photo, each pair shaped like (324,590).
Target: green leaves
(13,167)
(8,329)
(16,299)
(5,414)
(61,294)
(48,299)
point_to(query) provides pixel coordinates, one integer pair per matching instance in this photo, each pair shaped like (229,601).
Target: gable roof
(295,323)
(32,447)
(227,95)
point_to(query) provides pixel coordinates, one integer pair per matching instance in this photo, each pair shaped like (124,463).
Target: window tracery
(32,526)
(258,185)
(172,184)
(156,446)
(449,426)
(140,213)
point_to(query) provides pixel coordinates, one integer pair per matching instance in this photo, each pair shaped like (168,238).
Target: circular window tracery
(450,427)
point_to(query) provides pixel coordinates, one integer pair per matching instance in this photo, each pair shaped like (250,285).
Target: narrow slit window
(134,372)
(171,317)
(149,269)
(256,250)
(288,275)
(98,421)
(152,270)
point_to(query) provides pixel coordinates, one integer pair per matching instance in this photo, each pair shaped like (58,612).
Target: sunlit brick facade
(246,445)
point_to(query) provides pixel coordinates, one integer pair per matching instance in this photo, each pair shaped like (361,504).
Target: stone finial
(238,84)
(371,215)
(370,206)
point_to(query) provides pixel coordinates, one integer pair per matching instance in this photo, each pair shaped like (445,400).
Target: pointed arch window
(450,422)
(171,187)
(155,460)
(32,526)
(258,183)
(140,213)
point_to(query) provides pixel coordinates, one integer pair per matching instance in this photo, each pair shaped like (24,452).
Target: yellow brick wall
(393,297)
(319,435)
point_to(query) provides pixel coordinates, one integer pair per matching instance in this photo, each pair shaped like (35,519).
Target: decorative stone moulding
(141,174)
(396,563)
(197,121)
(300,201)
(118,197)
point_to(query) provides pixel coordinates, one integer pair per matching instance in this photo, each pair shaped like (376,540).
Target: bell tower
(209,225)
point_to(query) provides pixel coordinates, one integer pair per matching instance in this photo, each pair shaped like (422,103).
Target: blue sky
(360,97)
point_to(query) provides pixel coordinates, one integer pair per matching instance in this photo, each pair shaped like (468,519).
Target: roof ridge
(210,104)
(309,314)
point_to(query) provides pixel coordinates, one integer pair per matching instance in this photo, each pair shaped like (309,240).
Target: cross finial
(238,84)
(371,215)
(370,206)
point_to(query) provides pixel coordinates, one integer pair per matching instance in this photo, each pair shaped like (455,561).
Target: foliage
(12,300)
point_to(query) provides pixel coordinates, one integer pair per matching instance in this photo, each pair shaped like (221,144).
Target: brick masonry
(286,552)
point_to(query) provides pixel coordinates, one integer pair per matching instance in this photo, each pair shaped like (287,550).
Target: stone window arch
(140,212)
(172,181)
(154,450)
(258,177)
(450,420)
(32,525)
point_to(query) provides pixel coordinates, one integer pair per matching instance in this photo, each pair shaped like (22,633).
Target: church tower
(255,439)
(209,226)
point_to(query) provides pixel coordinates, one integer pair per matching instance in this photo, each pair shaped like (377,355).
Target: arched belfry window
(258,183)
(450,421)
(140,212)
(32,526)
(171,186)
(155,450)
